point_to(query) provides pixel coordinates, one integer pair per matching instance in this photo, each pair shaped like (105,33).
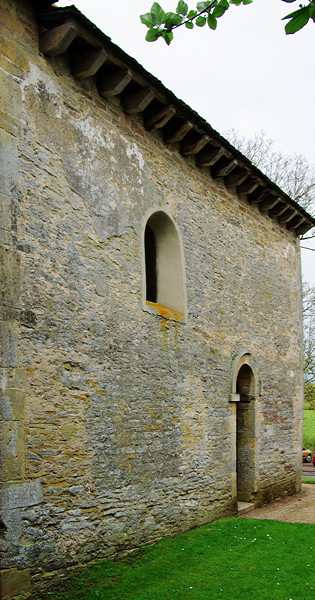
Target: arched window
(164,272)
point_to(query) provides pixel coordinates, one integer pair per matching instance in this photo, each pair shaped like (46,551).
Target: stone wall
(117,423)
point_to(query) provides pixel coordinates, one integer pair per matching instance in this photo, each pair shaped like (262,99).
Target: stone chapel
(150,297)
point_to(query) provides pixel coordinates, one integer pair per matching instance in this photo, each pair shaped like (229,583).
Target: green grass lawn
(309,429)
(231,559)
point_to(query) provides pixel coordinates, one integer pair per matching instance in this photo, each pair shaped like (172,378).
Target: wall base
(15,583)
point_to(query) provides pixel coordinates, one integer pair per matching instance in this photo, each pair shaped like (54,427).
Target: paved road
(308,470)
(299,508)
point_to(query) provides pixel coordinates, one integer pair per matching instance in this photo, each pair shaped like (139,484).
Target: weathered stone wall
(117,424)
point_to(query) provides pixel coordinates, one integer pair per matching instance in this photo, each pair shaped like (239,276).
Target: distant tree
(309,344)
(292,173)
(309,395)
(161,24)
(297,178)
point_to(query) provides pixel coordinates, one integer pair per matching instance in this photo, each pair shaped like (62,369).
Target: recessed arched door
(245,434)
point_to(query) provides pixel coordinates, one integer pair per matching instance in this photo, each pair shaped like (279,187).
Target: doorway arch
(245,434)
(244,428)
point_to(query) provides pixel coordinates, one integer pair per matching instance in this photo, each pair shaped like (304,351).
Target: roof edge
(93,54)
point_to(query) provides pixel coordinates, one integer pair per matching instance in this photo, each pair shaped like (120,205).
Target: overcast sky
(247,75)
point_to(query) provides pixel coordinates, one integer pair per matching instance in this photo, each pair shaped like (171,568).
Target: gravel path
(299,508)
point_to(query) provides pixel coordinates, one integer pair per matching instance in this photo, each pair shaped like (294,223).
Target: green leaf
(167,36)
(172,19)
(212,22)
(152,35)
(182,8)
(192,14)
(147,19)
(288,0)
(296,13)
(218,11)
(297,22)
(224,3)
(202,6)
(157,14)
(189,25)
(201,21)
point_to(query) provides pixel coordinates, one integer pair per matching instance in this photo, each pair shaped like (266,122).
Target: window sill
(164,311)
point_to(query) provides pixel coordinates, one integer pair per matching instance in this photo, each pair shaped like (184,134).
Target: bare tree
(296,177)
(309,344)
(293,174)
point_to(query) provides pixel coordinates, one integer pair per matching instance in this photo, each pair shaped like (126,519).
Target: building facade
(151,345)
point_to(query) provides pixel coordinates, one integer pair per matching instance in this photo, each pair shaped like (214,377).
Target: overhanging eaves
(93,54)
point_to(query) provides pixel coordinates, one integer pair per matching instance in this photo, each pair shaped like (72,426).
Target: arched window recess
(164,285)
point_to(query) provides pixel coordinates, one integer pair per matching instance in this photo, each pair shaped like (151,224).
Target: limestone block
(12,404)
(234,398)
(12,24)
(5,237)
(12,378)
(9,277)
(16,56)
(12,465)
(5,212)
(8,123)
(20,495)
(12,521)
(10,101)
(14,582)
(8,163)
(9,67)
(8,345)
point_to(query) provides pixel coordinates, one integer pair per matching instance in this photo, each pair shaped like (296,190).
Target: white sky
(247,75)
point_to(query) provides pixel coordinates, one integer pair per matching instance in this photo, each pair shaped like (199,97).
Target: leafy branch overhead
(161,24)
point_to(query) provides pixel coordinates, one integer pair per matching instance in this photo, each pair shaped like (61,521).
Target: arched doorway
(245,433)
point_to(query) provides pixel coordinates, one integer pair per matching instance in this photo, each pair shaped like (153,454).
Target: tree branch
(211,5)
